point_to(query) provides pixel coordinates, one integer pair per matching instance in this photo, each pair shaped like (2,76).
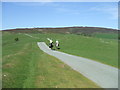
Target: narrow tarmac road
(103,75)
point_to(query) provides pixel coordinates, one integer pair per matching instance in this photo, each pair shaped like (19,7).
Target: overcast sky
(59,14)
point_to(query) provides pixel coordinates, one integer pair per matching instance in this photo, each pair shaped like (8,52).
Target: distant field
(26,66)
(102,48)
(106,36)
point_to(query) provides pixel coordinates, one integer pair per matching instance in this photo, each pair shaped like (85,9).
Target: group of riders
(51,44)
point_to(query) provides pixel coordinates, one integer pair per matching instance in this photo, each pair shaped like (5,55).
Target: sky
(59,14)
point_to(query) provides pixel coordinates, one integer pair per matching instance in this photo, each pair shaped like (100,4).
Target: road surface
(103,75)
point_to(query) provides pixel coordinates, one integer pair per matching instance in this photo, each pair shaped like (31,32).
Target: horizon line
(58,27)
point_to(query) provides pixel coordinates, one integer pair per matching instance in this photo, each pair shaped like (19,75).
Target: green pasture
(106,35)
(24,65)
(100,49)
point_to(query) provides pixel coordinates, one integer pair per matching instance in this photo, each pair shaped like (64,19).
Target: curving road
(103,75)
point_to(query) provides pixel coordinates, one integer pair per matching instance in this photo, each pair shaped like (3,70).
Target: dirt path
(31,36)
(103,75)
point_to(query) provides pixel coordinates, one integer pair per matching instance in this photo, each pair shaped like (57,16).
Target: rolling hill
(65,30)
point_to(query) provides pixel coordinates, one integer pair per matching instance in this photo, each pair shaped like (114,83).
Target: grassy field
(106,35)
(101,49)
(24,65)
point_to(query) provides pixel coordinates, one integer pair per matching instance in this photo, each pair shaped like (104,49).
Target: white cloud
(67,10)
(112,11)
(36,4)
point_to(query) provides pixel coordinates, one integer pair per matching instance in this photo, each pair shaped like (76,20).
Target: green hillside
(101,49)
(26,66)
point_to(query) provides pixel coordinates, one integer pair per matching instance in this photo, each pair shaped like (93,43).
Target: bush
(16,39)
